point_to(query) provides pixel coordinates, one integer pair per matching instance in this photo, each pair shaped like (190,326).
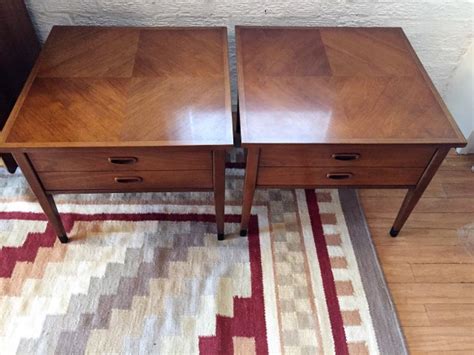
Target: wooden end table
(124,110)
(338,107)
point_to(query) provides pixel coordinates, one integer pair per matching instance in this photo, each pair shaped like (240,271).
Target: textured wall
(459,97)
(440,31)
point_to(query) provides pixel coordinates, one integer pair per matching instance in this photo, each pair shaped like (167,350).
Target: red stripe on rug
(23,216)
(335,317)
(9,256)
(249,313)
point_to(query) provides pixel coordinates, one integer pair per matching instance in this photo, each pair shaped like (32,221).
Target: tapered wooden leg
(237,121)
(45,200)
(414,195)
(219,190)
(236,126)
(9,162)
(249,188)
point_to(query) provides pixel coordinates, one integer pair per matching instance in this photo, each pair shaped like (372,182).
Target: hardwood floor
(430,266)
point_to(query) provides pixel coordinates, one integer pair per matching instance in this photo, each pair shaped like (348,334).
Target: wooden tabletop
(337,85)
(96,86)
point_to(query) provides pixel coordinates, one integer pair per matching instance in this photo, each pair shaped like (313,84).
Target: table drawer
(339,176)
(347,155)
(120,159)
(126,181)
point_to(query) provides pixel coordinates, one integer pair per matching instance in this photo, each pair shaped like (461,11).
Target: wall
(460,97)
(440,31)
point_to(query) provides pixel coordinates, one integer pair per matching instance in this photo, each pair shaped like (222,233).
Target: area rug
(145,274)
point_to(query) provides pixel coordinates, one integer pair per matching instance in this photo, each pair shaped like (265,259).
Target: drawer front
(120,160)
(126,181)
(347,155)
(339,176)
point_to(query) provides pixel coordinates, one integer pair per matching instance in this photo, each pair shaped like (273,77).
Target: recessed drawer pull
(128,180)
(346,156)
(339,176)
(123,160)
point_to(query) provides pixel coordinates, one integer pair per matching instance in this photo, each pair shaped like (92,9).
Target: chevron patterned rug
(145,274)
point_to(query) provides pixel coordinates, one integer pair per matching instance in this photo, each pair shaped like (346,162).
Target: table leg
(45,200)
(219,190)
(413,195)
(10,163)
(237,116)
(249,188)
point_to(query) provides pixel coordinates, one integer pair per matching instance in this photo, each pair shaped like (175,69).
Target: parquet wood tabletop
(336,85)
(96,86)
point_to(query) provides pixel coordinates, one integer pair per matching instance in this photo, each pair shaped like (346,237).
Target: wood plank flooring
(430,266)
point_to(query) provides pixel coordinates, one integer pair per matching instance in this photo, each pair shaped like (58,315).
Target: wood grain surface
(336,85)
(99,86)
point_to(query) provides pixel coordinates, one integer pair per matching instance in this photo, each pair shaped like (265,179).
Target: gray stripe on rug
(387,327)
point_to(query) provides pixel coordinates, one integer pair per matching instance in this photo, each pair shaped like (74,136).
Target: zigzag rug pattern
(144,273)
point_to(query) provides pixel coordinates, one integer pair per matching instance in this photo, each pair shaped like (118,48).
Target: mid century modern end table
(338,107)
(124,110)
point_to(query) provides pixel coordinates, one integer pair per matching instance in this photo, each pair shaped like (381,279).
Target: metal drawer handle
(123,160)
(339,176)
(128,179)
(346,156)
